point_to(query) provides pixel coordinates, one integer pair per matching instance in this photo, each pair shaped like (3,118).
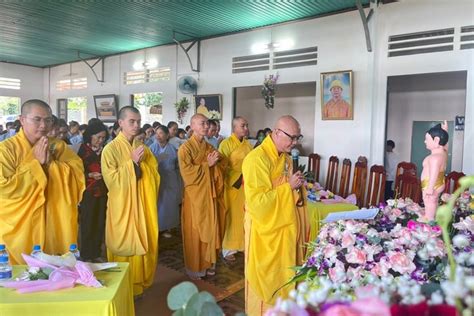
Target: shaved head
(286,134)
(28,105)
(199,125)
(123,111)
(287,121)
(240,127)
(197,117)
(236,120)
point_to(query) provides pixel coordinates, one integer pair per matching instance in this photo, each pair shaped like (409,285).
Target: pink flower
(337,274)
(371,250)
(335,233)
(354,273)
(356,256)
(401,263)
(348,239)
(380,269)
(341,310)
(330,251)
(397,212)
(372,306)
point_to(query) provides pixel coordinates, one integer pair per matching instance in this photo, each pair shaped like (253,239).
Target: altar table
(114,299)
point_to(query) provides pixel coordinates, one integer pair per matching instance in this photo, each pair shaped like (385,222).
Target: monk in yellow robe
(234,148)
(337,107)
(41,185)
(130,173)
(202,108)
(275,227)
(203,211)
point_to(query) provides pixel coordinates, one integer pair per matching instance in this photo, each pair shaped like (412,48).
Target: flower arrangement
(214,115)
(181,107)
(269,89)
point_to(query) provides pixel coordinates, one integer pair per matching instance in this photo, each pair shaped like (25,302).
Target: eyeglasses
(297,138)
(37,120)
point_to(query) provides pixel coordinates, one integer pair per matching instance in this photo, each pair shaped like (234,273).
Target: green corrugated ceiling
(43,33)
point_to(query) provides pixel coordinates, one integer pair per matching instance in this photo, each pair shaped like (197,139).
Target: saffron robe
(131,227)
(275,228)
(337,109)
(235,151)
(203,209)
(38,206)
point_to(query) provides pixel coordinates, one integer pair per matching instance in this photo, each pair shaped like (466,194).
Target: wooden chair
(314,161)
(359,181)
(402,168)
(345,178)
(409,186)
(376,189)
(331,179)
(363,159)
(451,181)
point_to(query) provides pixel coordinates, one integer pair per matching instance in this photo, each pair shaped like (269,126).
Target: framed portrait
(62,109)
(209,105)
(337,95)
(106,107)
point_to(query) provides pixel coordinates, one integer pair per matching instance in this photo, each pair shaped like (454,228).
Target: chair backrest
(345,178)
(331,179)
(451,181)
(402,168)
(363,159)
(409,186)
(314,161)
(376,189)
(359,181)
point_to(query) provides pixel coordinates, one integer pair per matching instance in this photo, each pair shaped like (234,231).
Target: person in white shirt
(391,162)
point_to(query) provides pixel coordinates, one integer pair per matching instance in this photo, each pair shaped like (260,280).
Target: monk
(337,107)
(275,227)
(234,148)
(434,166)
(130,172)
(41,185)
(202,214)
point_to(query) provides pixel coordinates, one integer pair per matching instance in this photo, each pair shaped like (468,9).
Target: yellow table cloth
(114,299)
(317,211)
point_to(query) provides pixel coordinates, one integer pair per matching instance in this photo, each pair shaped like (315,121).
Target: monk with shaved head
(276,227)
(41,184)
(203,211)
(130,172)
(234,148)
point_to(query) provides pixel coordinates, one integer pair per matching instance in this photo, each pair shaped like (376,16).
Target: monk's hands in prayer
(213,158)
(41,150)
(95,175)
(137,154)
(296,180)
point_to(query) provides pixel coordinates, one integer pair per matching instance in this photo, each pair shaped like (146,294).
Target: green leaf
(196,303)
(211,309)
(180,294)
(179,312)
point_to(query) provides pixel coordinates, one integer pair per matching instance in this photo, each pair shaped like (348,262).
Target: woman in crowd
(94,201)
(170,195)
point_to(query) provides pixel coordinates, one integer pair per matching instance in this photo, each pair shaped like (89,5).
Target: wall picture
(106,107)
(209,105)
(62,109)
(337,95)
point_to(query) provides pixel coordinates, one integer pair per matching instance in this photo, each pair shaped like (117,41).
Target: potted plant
(181,107)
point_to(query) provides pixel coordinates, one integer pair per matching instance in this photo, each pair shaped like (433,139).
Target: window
(68,84)
(147,75)
(77,109)
(10,83)
(9,109)
(149,105)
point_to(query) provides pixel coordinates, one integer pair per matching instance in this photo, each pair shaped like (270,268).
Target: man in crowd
(203,210)
(41,184)
(275,227)
(174,140)
(391,161)
(234,149)
(130,172)
(211,134)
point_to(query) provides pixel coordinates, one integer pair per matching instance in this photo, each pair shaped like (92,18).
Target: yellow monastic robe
(275,228)
(337,109)
(131,228)
(38,206)
(235,151)
(203,209)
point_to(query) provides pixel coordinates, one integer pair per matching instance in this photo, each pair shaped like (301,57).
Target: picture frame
(106,107)
(337,95)
(62,109)
(210,105)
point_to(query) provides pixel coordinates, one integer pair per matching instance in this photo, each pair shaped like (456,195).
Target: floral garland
(269,89)
(181,107)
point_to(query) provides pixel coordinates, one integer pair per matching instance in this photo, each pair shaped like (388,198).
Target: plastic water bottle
(5,267)
(36,251)
(73,249)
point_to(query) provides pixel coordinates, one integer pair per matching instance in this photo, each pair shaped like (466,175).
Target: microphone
(295,156)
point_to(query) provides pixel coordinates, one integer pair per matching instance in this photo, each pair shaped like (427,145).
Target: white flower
(461,241)
(34,270)
(436,298)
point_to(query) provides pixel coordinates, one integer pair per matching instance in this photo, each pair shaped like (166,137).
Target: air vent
(251,63)
(421,42)
(467,37)
(295,58)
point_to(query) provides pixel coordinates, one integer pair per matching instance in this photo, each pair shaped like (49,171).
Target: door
(418,148)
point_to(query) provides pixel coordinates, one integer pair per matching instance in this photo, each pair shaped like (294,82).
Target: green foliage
(185,300)
(182,105)
(9,105)
(77,103)
(180,294)
(147,99)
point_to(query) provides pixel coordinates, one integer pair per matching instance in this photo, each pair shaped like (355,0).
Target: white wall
(31,81)
(341,45)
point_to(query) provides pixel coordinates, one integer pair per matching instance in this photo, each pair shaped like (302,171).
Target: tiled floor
(227,285)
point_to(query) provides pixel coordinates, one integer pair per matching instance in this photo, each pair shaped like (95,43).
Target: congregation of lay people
(123,185)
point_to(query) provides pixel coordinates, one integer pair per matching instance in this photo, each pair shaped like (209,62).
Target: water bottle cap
(2,247)
(36,247)
(72,247)
(3,259)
